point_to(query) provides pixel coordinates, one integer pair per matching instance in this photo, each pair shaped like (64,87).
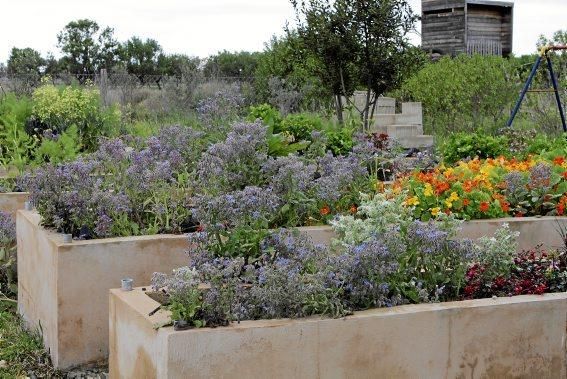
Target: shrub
(59,108)
(16,146)
(268,114)
(8,272)
(300,125)
(470,145)
(463,93)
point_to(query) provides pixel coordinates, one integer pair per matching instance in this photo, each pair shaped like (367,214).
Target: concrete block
(385,105)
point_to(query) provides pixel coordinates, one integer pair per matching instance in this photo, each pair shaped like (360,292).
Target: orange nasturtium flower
(484,206)
(353,209)
(559,160)
(325,210)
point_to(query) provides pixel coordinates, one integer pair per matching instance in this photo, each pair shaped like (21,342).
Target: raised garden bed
(533,231)
(504,337)
(11,202)
(64,286)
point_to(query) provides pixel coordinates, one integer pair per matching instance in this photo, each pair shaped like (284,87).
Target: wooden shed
(452,27)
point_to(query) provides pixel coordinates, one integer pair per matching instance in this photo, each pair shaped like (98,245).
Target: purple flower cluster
(540,176)
(287,174)
(428,236)
(127,187)
(363,274)
(235,162)
(338,175)
(516,185)
(7,229)
(236,208)
(220,108)
(73,198)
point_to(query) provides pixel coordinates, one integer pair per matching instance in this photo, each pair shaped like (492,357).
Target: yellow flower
(453,197)
(435,211)
(412,201)
(448,203)
(428,191)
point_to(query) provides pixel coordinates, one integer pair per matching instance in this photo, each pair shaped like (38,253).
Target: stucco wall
(520,336)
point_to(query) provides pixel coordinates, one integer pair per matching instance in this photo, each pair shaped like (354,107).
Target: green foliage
(64,148)
(469,145)
(287,62)
(177,64)
(340,141)
(22,351)
(57,109)
(25,66)
(357,42)
(86,47)
(301,125)
(269,115)
(16,145)
(240,64)
(25,62)
(463,93)
(141,57)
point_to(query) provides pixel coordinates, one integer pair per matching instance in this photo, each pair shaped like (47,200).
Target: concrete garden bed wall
(533,231)
(64,286)
(520,336)
(11,202)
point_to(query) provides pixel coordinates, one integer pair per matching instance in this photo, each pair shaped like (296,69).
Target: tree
(234,65)
(359,42)
(25,66)
(177,64)
(141,57)
(25,62)
(287,61)
(86,47)
(52,65)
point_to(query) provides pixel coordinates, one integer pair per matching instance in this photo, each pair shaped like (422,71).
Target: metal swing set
(543,55)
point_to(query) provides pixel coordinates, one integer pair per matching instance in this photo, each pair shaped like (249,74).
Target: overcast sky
(204,27)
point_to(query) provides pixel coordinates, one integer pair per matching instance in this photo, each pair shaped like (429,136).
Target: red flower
(540,289)
(325,210)
(466,202)
(519,214)
(484,206)
(559,160)
(353,209)
(505,206)
(441,187)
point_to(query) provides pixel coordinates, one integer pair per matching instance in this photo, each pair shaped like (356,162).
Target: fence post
(103,86)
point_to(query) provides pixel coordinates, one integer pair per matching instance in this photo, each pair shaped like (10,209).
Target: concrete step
(419,141)
(397,119)
(399,131)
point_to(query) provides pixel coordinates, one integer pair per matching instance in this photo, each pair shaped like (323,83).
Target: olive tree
(361,43)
